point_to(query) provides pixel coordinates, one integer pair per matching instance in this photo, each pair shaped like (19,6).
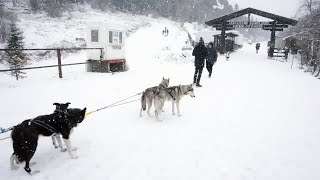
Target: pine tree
(236,7)
(15,57)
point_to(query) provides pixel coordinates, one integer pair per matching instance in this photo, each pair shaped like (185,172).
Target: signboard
(252,24)
(227,28)
(276,25)
(246,24)
(116,47)
(249,23)
(220,25)
(275,29)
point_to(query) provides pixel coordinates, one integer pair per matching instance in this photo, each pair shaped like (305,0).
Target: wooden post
(59,62)
(223,37)
(272,41)
(101,55)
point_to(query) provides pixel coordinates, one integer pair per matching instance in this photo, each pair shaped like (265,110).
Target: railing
(58,55)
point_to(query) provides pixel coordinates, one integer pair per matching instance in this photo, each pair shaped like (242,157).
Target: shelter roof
(277,18)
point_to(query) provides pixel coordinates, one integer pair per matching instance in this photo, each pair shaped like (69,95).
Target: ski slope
(254,119)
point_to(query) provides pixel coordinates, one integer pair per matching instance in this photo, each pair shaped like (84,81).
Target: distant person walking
(227,55)
(286,53)
(211,58)
(199,52)
(257,47)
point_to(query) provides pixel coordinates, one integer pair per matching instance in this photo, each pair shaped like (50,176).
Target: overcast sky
(287,8)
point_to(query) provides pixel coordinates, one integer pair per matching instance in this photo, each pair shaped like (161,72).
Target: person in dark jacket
(211,58)
(257,47)
(200,52)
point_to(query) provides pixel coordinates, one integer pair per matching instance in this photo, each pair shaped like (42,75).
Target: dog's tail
(143,101)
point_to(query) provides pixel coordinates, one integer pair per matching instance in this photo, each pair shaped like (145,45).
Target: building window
(115,37)
(120,37)
(110,36)
(94,35)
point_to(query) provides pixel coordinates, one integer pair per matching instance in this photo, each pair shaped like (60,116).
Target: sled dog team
(62,121)
(160,94)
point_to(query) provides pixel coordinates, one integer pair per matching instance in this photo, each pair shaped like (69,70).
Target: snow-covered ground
(254,119)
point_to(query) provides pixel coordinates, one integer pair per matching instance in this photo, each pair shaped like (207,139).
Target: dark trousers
(209,67)
(197,74)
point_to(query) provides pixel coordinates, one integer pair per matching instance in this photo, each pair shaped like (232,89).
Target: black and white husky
(148,95)
(174,94)
(26,134)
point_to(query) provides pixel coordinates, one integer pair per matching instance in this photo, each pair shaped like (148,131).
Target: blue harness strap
(2,130)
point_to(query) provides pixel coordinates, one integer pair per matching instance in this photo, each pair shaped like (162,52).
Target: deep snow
(254,119)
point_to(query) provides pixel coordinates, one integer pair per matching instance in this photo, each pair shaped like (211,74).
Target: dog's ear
(68,103)
(83,112)
(162,78)
(56,104)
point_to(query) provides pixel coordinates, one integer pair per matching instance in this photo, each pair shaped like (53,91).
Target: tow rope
(115,104)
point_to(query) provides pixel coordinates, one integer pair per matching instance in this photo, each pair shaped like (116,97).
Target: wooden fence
(59,65)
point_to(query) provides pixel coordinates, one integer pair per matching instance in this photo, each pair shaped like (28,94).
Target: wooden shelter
(229,39)
(224,24)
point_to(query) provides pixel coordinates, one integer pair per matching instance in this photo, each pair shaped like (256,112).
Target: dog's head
(165,82)
(61,107)
(188,90)
(75,116)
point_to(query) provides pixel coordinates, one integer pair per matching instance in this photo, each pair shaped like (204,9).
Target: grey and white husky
(173,94)
(148,95)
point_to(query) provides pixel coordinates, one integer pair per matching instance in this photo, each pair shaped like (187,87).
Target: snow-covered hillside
(247,122)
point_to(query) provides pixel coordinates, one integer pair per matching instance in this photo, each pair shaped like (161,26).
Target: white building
(112,40)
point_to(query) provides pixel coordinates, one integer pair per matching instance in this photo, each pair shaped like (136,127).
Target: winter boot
(198,79)
(194,79)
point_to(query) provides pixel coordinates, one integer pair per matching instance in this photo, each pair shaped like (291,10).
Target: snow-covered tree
(307,35)
(236,7)
(15,57)
(5,19)
(35,5)
(14,3)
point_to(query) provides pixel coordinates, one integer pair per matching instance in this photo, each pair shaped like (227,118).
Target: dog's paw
(12,168)
(32,163)
(74,149)
(63,149)
(179,115)
(34,172)
(55,146)
(74,157)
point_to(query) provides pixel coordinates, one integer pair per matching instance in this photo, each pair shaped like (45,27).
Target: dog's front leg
(70,151)
(13,159)
(178,107)
(54,141)
(58,138)
(173,107)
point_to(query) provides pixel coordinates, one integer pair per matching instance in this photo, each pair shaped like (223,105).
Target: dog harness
(44,125)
